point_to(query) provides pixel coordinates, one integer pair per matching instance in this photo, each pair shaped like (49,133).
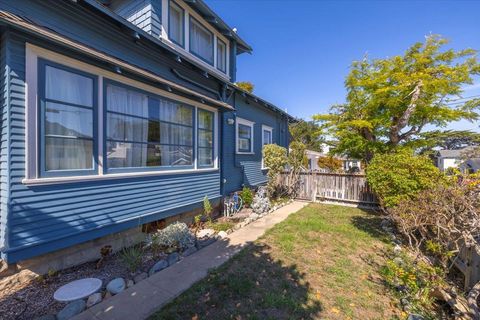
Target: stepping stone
(205,233)
(94,299)
(140,277)
(71,310)
(173,258)
(116,286)
(222,234)
(77,289)
(160,265)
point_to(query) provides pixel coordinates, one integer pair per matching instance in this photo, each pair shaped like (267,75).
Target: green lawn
(320,263)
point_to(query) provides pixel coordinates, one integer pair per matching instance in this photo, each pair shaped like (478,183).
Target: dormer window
(201,41)
(176,22)
(221,56)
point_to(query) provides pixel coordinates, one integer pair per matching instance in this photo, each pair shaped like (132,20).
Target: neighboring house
(120,113)
(449,158)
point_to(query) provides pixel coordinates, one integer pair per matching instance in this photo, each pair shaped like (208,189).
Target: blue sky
(302,49)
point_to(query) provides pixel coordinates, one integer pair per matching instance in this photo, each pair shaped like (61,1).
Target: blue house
(119,113)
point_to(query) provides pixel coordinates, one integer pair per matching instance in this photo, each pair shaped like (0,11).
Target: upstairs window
(201,41)
(147,131)
(221,56)
(176,22)
(244,136)
(67,120)
(205,138)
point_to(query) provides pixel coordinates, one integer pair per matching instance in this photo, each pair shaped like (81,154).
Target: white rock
(130,283)
(222,234)
(397,249)
(204,233)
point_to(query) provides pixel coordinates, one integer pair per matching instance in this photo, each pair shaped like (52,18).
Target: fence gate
(337,187)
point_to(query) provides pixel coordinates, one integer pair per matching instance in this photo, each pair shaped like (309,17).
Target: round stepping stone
(77,289)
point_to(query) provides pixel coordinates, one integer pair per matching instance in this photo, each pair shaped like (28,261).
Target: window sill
(246,153)
(111,176)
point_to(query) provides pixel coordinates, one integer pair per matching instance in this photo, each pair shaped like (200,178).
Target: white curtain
(201,41)
(65,123)
(68,87)
(176,24)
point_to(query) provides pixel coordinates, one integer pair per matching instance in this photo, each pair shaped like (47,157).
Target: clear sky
(302,49)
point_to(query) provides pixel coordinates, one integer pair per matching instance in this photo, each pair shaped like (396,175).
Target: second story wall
(184,29)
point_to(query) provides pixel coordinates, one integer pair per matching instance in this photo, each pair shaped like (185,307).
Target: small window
(201,41)
(176,20)
(147,131)
(244,136)
(205,127)
(221,56)
(67,121)
(267,138)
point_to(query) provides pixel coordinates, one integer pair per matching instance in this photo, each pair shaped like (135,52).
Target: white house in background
(313,157)
(453,159)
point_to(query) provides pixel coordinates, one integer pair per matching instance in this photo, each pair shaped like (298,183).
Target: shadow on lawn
(252,285)
(370,222)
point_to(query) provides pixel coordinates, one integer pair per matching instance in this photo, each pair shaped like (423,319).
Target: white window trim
(270,129)
(186,49)
(252,126)
(32,172)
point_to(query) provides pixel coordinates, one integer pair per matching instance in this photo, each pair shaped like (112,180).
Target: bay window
(141,131)
(67,120)
(201,41)
(205,138)
(176,20)
(244,139)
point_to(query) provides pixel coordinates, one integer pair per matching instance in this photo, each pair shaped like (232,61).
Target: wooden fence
(337,187)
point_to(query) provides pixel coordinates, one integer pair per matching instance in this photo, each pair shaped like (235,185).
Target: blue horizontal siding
(145,14)
(44,218)
(246,169)
(4,140)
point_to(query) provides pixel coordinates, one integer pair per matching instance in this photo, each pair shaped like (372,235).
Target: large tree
(390,101)
(307,132)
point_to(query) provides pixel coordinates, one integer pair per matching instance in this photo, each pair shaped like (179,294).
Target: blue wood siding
(51,217)
(145,14)
(242,169)
(79,24)
(4,140)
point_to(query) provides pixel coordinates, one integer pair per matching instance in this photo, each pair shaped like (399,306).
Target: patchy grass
(323,262)
(220,225)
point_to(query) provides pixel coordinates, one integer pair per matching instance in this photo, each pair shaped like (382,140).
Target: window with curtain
(176,16)
(221,56)
(205,138)
(67,104)
(201,41)
(266,139)
(147,131)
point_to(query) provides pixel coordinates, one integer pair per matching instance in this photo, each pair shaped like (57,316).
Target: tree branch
(395,136)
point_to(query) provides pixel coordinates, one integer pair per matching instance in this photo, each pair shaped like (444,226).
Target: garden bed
(33,299)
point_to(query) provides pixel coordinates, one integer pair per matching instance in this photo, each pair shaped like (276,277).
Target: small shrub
(414,281)
(207,208)
(401,175)
(261,203)
(275,159)
(132,257)
(175,236)
(330,164)
(247,196)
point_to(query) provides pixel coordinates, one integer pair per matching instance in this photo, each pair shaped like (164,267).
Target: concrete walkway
(151,294)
